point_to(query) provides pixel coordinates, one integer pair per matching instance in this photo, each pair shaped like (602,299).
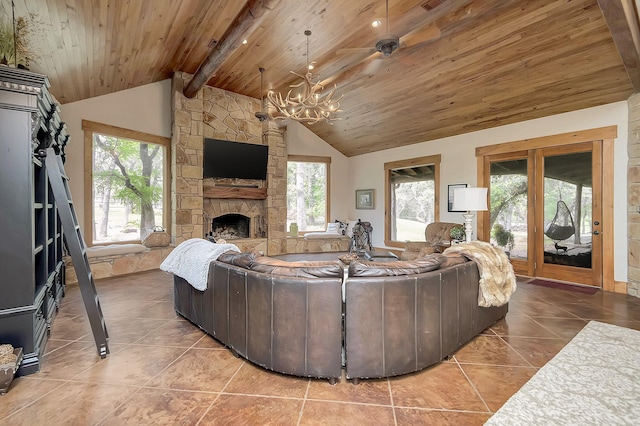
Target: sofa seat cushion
(381,269)
(114,250)
(303,269)
(314,235)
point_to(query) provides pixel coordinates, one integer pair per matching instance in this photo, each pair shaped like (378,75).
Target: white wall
(148,109)
(459,166)
(145,108)
(301,141)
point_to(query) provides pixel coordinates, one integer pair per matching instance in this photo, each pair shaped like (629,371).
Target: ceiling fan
(384,48)
(390,42)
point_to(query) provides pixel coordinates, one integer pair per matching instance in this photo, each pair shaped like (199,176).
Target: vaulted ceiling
(463,65)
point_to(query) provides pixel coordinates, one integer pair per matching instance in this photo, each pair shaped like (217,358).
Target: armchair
(435,233)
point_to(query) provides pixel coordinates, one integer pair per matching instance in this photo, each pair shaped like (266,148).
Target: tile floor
(163,370)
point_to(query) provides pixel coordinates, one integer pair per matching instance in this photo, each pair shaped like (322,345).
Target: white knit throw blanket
(190,260)
(497,280)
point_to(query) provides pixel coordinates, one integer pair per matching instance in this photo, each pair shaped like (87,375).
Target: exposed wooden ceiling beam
(622,19)
(245,23)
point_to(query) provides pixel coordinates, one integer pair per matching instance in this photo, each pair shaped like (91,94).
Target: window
(411,198)
(308,192)
(126,183)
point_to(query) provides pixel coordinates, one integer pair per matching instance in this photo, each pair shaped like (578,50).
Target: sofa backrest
(399,324)
(420,265)
(284,323)
(268,265)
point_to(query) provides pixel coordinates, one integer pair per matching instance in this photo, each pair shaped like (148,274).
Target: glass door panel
(509,222)
(567,184)
(509,205)
(567,209)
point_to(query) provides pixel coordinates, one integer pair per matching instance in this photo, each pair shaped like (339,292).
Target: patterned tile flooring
(163,370)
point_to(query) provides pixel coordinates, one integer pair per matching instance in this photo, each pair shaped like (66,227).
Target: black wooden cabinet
(31,266)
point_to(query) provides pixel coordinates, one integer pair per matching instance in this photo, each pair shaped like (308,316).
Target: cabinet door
(17,222)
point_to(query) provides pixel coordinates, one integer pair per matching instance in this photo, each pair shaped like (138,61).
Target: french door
(568,211)
(546,209)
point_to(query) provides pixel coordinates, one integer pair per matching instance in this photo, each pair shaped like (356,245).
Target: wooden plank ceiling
(465,65)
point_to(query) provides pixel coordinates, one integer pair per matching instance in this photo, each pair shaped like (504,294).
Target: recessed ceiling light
(244,41)
(376,23)
(310,66)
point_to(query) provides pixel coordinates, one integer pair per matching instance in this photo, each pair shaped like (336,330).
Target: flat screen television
(227,159)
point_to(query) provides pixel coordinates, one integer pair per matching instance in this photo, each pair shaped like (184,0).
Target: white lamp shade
(470,199)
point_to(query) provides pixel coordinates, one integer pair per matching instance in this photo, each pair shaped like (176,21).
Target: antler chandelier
(305,102)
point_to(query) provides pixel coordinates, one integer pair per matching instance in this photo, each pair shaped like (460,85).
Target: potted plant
(503,237)
(457,234)
(15,46)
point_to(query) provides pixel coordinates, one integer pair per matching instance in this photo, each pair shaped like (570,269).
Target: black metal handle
(596,232)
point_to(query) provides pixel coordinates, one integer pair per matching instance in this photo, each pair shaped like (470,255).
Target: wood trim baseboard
(620,287)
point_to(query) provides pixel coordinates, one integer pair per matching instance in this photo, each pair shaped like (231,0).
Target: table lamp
(469,200)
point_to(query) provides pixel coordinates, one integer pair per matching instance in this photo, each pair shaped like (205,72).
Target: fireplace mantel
(233,192)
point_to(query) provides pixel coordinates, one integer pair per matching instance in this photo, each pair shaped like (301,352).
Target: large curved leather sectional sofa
(389,318)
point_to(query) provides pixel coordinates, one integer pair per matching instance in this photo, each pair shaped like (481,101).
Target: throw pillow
(350,225)
(333,228)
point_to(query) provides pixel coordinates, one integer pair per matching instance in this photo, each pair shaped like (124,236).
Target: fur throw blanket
(190,260)
(497,280)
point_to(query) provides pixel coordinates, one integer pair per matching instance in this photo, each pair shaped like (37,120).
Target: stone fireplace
(218,114)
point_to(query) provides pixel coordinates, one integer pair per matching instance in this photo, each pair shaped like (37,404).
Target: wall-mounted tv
(227,159)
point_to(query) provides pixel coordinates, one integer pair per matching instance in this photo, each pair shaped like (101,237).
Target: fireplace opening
(230,226)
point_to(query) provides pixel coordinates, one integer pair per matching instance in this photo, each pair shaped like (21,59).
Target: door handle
(596,232)
(596,223)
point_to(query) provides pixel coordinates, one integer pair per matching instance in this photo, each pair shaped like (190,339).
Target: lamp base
(468,225)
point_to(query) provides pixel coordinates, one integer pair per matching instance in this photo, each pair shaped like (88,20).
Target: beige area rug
(594,380)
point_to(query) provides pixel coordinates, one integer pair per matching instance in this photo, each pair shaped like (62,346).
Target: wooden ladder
(77,248)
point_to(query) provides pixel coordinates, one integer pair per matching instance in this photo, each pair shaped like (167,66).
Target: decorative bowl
(8,371)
